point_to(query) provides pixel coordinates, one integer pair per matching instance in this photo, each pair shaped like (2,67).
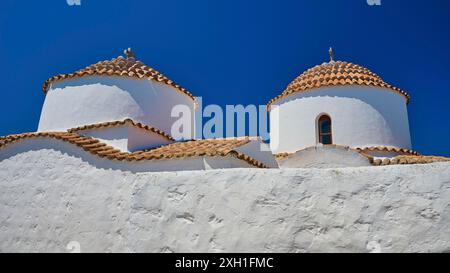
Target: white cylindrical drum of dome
(361,116)
(95,99)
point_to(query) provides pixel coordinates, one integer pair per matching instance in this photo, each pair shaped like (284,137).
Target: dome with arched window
(339,103)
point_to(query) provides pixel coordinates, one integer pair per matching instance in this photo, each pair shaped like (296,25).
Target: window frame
(320,134)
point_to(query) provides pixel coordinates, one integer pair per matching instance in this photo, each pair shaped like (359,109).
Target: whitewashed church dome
(114,90)
(121,66)
(336,73)
(340,103)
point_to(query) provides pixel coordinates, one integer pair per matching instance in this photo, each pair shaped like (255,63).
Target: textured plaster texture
(49,198)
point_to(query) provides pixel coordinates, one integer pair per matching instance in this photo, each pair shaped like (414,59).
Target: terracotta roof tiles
(209,147)
(335,73)
(387,149)
(120,66)
(410,159)
(119,123)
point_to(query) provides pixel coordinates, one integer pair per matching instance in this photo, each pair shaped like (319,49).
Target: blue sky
(231,51)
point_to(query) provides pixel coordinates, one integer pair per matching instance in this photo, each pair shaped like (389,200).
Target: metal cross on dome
(331,53)
(129,53)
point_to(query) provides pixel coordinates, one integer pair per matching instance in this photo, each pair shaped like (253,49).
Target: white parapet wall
(52,201)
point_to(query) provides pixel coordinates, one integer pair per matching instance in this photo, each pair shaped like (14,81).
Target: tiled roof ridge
(121,122)
(220,149)
(410,159)
(235,138)
(335,73)
(206,147)
(387,149)
(89,144)
(122,67)
(94,146)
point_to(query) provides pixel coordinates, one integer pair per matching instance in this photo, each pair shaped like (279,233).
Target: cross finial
(331,53)
(129,53)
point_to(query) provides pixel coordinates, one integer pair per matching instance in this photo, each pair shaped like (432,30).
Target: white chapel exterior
(119,113)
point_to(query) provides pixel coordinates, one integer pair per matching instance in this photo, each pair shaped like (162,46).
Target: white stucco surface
(260,151)
(116,137)
(49,198)
(361,117)
(323,157)
(52,149)
(88,100)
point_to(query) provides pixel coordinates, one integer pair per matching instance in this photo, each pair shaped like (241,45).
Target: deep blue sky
(231,51)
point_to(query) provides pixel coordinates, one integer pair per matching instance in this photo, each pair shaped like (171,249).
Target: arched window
(324,130)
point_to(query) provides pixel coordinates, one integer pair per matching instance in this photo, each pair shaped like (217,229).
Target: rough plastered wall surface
(48,200)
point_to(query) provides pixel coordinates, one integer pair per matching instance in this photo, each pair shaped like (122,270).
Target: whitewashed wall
(50,198)
(89,100)
(55,150)
(361,117)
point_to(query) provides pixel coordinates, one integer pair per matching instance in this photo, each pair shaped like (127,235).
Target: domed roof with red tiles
(121,66)
(335,73)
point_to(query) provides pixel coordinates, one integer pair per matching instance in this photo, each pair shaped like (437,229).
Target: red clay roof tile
(120,66)
(209,147)
(335,73)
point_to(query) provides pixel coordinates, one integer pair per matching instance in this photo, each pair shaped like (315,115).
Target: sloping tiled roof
(410,159)
(204,147)
(335,73)
(120,66)
(110,124)
(89,144)
(210,147)
(178,150)
(387,149)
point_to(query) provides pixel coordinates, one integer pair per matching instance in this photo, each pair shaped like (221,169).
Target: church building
(118,114)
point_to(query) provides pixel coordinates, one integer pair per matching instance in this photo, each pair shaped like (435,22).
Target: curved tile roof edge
(410,159)
(109,124)
(335,73)
(387,149)
(98,148)
(120,67)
